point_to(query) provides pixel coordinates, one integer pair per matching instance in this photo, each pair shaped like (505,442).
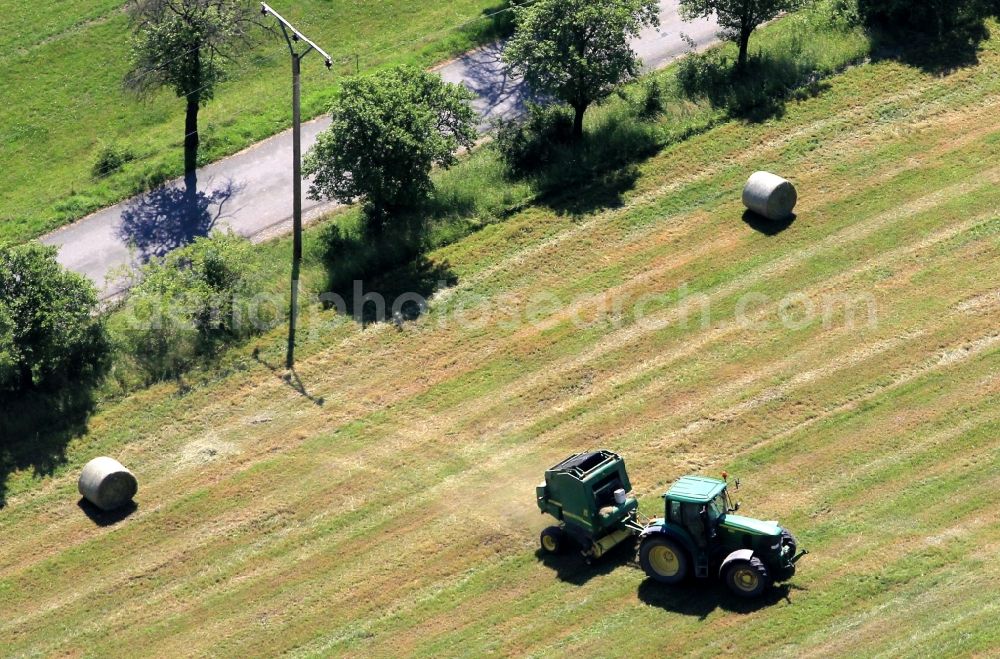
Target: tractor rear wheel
(747,578)
(663,560)
(553,540)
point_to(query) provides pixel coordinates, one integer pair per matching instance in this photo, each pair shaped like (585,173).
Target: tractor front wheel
(747,578)
(788,540)
(663,560)
(553,540)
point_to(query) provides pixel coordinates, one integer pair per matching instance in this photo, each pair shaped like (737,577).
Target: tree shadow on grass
(595,173)
(399,295)
(381,278)
(496,23)
(36,427)
(572,568)
(931,55)
(937,38)
(757,93)
(604,190)
(699,598)
(765,226)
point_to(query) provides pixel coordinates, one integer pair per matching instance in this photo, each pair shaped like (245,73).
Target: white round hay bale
(770,196)
(105,483)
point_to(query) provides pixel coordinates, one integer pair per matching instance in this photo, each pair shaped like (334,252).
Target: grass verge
(65,104)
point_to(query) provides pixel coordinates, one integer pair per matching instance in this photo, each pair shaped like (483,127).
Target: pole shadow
(290,378)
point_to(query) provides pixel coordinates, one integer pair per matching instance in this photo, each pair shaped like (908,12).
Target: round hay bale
(770,196)
(105,483)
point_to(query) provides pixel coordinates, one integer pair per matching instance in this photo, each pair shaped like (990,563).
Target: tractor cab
(701,534)
(697,505)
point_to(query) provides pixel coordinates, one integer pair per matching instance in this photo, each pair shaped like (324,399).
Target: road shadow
(761,224)
(500,94)
(699,598)
(572,568)
(160,221)
(107,517)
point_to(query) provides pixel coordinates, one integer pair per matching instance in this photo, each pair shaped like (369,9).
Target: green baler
(699,533)
(590,494)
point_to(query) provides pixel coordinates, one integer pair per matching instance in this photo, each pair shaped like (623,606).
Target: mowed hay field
(391,510)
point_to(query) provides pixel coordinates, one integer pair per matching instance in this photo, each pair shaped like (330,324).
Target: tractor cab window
(675,512)
(717,507)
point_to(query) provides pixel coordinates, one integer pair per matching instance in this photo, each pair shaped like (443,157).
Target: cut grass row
(397,517)
(63,97)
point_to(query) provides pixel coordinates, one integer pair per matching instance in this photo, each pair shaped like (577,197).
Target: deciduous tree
(183,45)
(578,51)
(738,18)
(48,332)
(388,132)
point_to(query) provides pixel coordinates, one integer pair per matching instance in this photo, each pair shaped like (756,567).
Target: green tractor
(699,534)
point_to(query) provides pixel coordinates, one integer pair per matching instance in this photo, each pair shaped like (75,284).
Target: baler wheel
(553,540)
(663,560)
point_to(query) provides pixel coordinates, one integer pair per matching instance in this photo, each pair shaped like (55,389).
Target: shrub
(110,159)
(652,100)
(839,14)
(189,304)
(49,335)
(527,145)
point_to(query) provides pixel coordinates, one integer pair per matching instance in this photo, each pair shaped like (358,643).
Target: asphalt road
(250,192)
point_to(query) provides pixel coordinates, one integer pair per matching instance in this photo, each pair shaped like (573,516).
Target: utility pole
(293,36)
